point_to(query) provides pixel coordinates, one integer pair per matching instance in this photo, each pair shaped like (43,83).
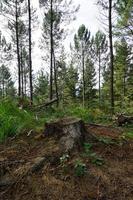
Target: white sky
(88,15)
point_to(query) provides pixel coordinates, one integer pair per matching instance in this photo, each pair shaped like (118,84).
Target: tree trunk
(111,57)
(30,58)
(22,73)
(18,53)
(99,79)
(51,51)
(55,80)
(25,81)
(83,71)
(70,133)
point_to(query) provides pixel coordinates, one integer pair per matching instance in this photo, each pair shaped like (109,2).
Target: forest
(66,100)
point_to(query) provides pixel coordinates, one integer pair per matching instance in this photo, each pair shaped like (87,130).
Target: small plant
(94,157)
(105,140)
(80,168)
(64,159)
(97,160)
(128,135)
(87,149)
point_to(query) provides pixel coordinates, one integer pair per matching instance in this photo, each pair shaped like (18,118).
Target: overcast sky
(88,15)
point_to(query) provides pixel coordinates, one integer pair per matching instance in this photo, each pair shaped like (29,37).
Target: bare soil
(52,181)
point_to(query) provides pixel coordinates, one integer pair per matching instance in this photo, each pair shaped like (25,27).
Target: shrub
(13,120)
(80,168)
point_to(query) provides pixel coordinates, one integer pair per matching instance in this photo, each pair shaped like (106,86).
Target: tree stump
(69,131)
(123,119)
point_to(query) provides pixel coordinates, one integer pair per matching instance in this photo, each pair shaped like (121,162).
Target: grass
(13,120)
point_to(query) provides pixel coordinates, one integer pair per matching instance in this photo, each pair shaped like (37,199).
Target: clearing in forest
(33,167)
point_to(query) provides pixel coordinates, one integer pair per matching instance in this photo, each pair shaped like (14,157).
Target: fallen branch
(37,166)
(45,104)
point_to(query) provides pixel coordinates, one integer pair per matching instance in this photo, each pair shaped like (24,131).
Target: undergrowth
(13,120)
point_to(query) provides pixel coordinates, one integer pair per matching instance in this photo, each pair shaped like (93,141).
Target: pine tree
(100,47)
(82,44)
(124,10)
(90,80)
(6,83)
(122,67)
(41,86)
(57,13)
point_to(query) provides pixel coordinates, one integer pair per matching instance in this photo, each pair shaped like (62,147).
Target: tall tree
(108,5)
(111,55)
(58,13)
(82,42)
(12,11)
(100,47)
(122,67)
(124,10)
(90,79)
(30,57)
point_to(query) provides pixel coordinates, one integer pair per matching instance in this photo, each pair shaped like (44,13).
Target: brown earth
(20,180)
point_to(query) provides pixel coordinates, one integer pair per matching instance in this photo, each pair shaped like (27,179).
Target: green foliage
(106,140)
(87,147)
(13,120)
(82,113)
(6,84)
(80,168)
(128,135)
(41,87)
(95,159)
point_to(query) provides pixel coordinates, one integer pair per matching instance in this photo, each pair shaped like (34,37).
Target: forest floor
(108,175)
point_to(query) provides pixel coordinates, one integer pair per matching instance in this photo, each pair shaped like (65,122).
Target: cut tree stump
(69,131)
(123,119)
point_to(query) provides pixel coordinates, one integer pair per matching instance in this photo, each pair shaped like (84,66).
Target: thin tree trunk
(51,52)
(124,83)
(111,57)
(25,81)
(22,73)
(83,71)
(99,79)
(18,54)
(3,88)
(55,80)
(30,58)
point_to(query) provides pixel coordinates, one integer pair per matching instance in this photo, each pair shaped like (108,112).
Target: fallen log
(44,105)
(123,119)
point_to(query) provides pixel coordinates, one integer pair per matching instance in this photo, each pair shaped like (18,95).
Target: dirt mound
(30,168)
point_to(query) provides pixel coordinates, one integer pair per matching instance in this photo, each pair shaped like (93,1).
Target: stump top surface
(68,121)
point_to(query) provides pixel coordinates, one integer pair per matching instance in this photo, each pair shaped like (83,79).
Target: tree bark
(55,80)
(30,57)
(22,73)
(99,79)
(51,51)
(111,58)
(83,71)
(18,53)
